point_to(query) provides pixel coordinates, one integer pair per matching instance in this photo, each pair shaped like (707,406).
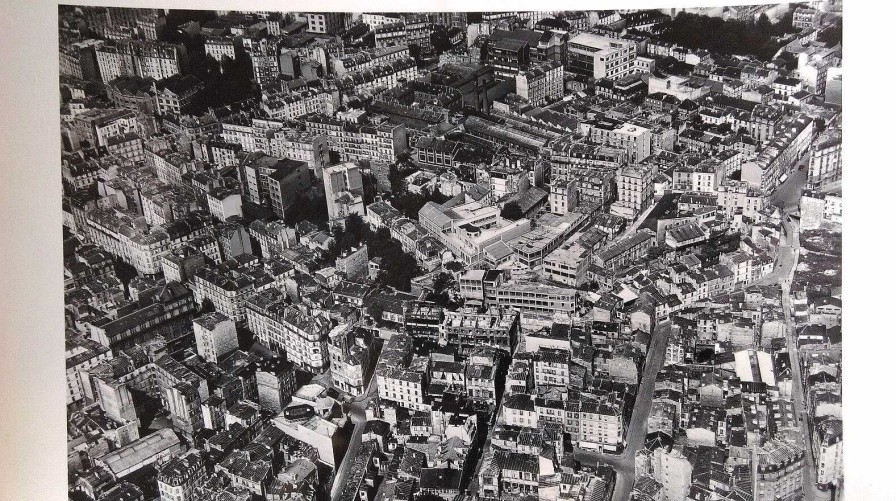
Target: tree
(454,266)
(375,310)
(512,211)
(441,286)
(369,182)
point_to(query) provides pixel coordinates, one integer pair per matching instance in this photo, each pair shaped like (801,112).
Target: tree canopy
(730,36)
(512,211)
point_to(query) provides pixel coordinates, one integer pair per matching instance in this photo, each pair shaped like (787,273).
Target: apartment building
(294,330)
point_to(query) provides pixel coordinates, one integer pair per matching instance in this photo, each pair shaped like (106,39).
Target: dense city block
(588,256)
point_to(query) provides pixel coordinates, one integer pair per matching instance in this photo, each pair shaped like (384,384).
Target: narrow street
(624,464)
(811,491)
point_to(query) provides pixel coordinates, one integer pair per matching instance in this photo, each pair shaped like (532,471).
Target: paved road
(359,419)
(624,464)
(788,193)
(811,492)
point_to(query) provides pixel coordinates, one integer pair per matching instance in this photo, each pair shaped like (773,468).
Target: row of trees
(755,38)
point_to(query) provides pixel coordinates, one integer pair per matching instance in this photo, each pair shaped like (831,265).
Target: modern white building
(600,56)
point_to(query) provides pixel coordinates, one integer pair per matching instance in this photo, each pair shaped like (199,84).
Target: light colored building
(292,105)
(298,332)
(224,203)
(350,362)
(778,471)
(215,336)
(220,47)
(382,142)
(159,446)
(634,139)
(80,356)
(634,187)
(272,236)
(673,470)
(330,23)
(563,196)
(601,57)
(569,263)
(792,139)
(265,59)
(344,190)
(467,229)
(626,251)
(827,447)
(147,59)
(541,84)
(826,162)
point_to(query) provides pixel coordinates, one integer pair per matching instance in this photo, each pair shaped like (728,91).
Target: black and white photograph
(382,255)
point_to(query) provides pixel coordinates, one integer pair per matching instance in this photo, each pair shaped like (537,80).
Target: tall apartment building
(826,162)
(294,330)
(596,421)
(116,22)
(272,236)
(397,381)
(276,383)
(215,336)
(329,23)
(80,356)
(568,264)
(180,477)
(377,19)
(634,139)
(228,286)
(220,47)
(78,59)
(167,314)
(381,143)
(778,471)
(380,78)
(541,84)
(532,297)
(130,238)
(792,139)
(600,56)
(569,155)
(303,147)
(265,58)
(738,196)
(250,134)
(366,59)
(147,59)
(389,35)
(289,106)
(418,30)
(273,182)
(344,189)
(350,363)
(634,187)
(673,471)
